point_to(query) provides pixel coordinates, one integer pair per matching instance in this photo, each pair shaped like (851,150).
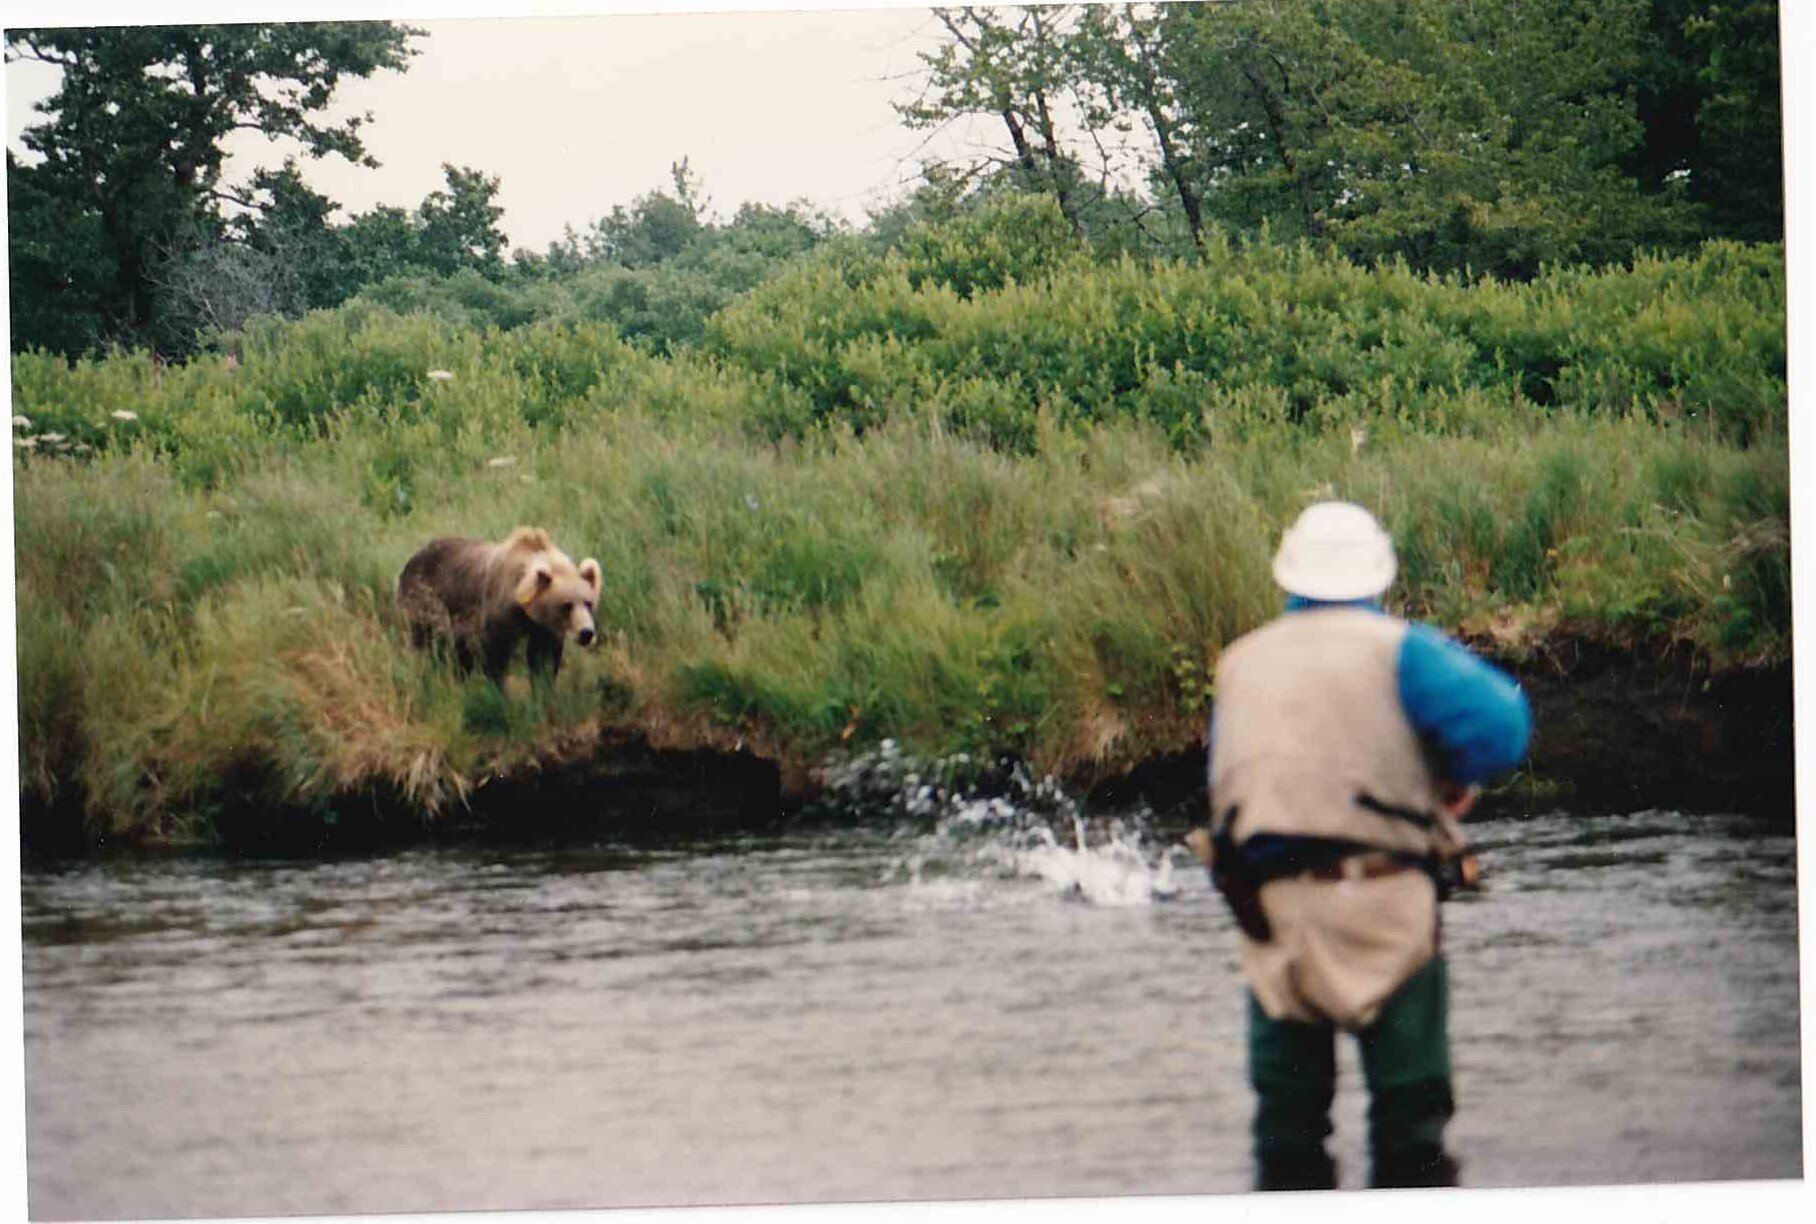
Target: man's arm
(1473,715)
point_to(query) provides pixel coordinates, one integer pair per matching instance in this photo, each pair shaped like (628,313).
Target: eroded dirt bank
(1614,731)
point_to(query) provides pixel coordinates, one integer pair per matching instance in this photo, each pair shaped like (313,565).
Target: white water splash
(976,841)
(1120,872)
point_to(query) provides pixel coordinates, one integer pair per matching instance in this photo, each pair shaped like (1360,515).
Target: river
(964,1009)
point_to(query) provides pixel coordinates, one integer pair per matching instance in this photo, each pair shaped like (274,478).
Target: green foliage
(1011,239)
(1496,136)
(1487,136)
(654,284)
(444,256)
(1708,95)
(1500,137)
(60,276)
(1008,64)
(1257,339)
(454,231)
(467,299)
(1261,334)
(134,137)
(655,229)
(659,269)
(1022,521)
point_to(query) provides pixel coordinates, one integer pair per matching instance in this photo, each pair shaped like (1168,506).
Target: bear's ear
(589,574)
(534,583)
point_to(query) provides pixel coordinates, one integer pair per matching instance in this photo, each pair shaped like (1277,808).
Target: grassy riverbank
(872,503)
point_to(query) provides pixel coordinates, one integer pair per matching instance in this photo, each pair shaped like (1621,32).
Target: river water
(973,1008)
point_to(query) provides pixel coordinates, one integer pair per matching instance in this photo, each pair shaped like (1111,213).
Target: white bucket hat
(1336,551)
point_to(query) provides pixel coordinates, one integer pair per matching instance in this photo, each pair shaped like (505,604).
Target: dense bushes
(1258,334)
(1254,341)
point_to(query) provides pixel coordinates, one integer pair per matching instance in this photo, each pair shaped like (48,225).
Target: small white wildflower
(123,414)
(54,439)
(25,443)
(441,375)
(22,422)
(750,501)
(502,461)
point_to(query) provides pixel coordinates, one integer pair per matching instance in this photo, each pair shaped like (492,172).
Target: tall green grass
(1009,543)
(1066,605)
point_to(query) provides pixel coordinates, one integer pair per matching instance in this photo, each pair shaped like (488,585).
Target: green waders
(1406,1064)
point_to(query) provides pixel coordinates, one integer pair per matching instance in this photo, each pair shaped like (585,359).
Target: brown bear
(485,597)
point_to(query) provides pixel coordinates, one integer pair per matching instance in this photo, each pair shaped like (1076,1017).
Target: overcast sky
(577,113)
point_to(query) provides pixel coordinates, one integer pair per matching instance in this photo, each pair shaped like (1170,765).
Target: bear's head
(559,596)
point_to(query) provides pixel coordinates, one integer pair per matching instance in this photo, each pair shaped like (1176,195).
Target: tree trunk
(1164,132)
(1054,175)
(1050,137)
(1276,122)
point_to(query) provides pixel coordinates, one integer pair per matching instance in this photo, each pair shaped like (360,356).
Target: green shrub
(1257,332)
(1015,238)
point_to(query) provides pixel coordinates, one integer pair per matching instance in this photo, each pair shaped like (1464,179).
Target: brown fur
(485,597)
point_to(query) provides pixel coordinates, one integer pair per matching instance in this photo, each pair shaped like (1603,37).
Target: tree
(290,224)
(1120,48)
(659,268)
(656,228)
(1488,134)
(454,229)
(1708,98)
(1011,64)
(134,134)
(375,246)
(60,275)
(284,255)
(458,227)
(218,286)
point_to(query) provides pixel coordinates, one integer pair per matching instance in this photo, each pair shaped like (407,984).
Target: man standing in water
(1346,745)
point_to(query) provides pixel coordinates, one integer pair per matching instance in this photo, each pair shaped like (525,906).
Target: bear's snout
(585,636)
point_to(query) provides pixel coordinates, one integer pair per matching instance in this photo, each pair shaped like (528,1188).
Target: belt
(1361,867)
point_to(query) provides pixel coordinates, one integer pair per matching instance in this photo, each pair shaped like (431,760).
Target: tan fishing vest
(1311,739)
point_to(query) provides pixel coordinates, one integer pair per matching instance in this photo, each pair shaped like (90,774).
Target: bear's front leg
(499,642)
(544,654)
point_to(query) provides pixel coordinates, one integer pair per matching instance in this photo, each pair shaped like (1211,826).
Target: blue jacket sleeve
(1473,715)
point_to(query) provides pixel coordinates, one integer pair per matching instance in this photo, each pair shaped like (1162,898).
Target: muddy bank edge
(1615,731)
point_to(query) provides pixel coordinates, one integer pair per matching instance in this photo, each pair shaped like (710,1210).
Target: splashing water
(977,836)
(1122,871)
